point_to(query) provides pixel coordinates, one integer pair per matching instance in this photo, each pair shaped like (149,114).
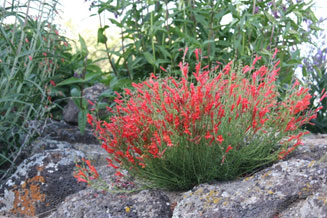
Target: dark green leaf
(82,120)
(149,58)
(102,38)
(83,45)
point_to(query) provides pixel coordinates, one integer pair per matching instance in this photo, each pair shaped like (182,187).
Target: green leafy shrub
(314,72)
(151,32)
(216,125)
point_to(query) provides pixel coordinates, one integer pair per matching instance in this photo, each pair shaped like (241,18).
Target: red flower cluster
(86,174)
(161,113)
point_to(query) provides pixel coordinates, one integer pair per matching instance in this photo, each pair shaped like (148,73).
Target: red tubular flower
(254,124)
(246,69)
(167,139)
(221,112)
(231,88)
(208,135)
(80,176)
(227,68)
(254,112)
(284,153)
(119,174)
(197,71)
(186,129)
(298,142)
(109,150)
(92,169)
(323,95)
(263,112)
(220,139)
(128,92)
(90,102)
(197,53)
(255,60)
(90,119)
(232,107)
(291,125)
(238,100)
(229,147)
(52,83)
(163,69)
(153,149)
(112,165)
(245,104)
(302,105)
(275,52)
(296,84)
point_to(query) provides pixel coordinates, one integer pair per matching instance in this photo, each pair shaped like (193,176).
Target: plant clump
(212,125)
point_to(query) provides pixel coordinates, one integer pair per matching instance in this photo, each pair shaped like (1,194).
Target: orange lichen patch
(40,168)
(27,195)
(173,205)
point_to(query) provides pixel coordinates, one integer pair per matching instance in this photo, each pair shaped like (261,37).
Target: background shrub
(314,71)
(152,32)
(30,53)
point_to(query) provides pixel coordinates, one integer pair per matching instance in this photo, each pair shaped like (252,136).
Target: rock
(314,206)
(92,93)
(41,145)
(70,112)
(91,203)
(93,152)
(62,131)
(41,182)
(99,204)
(294,187)
(313,149)
(294,183)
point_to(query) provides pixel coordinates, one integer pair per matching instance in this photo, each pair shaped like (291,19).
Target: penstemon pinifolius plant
(216,125)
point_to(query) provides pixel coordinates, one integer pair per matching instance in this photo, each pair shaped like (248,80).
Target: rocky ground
(43,186)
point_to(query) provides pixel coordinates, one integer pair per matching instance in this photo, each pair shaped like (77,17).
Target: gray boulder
(92,152)
(43,185)
(41,182)
(98,204)
(125,203)
(268,193)
(61,131)
(314,206)
(295,187)
(92,93)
